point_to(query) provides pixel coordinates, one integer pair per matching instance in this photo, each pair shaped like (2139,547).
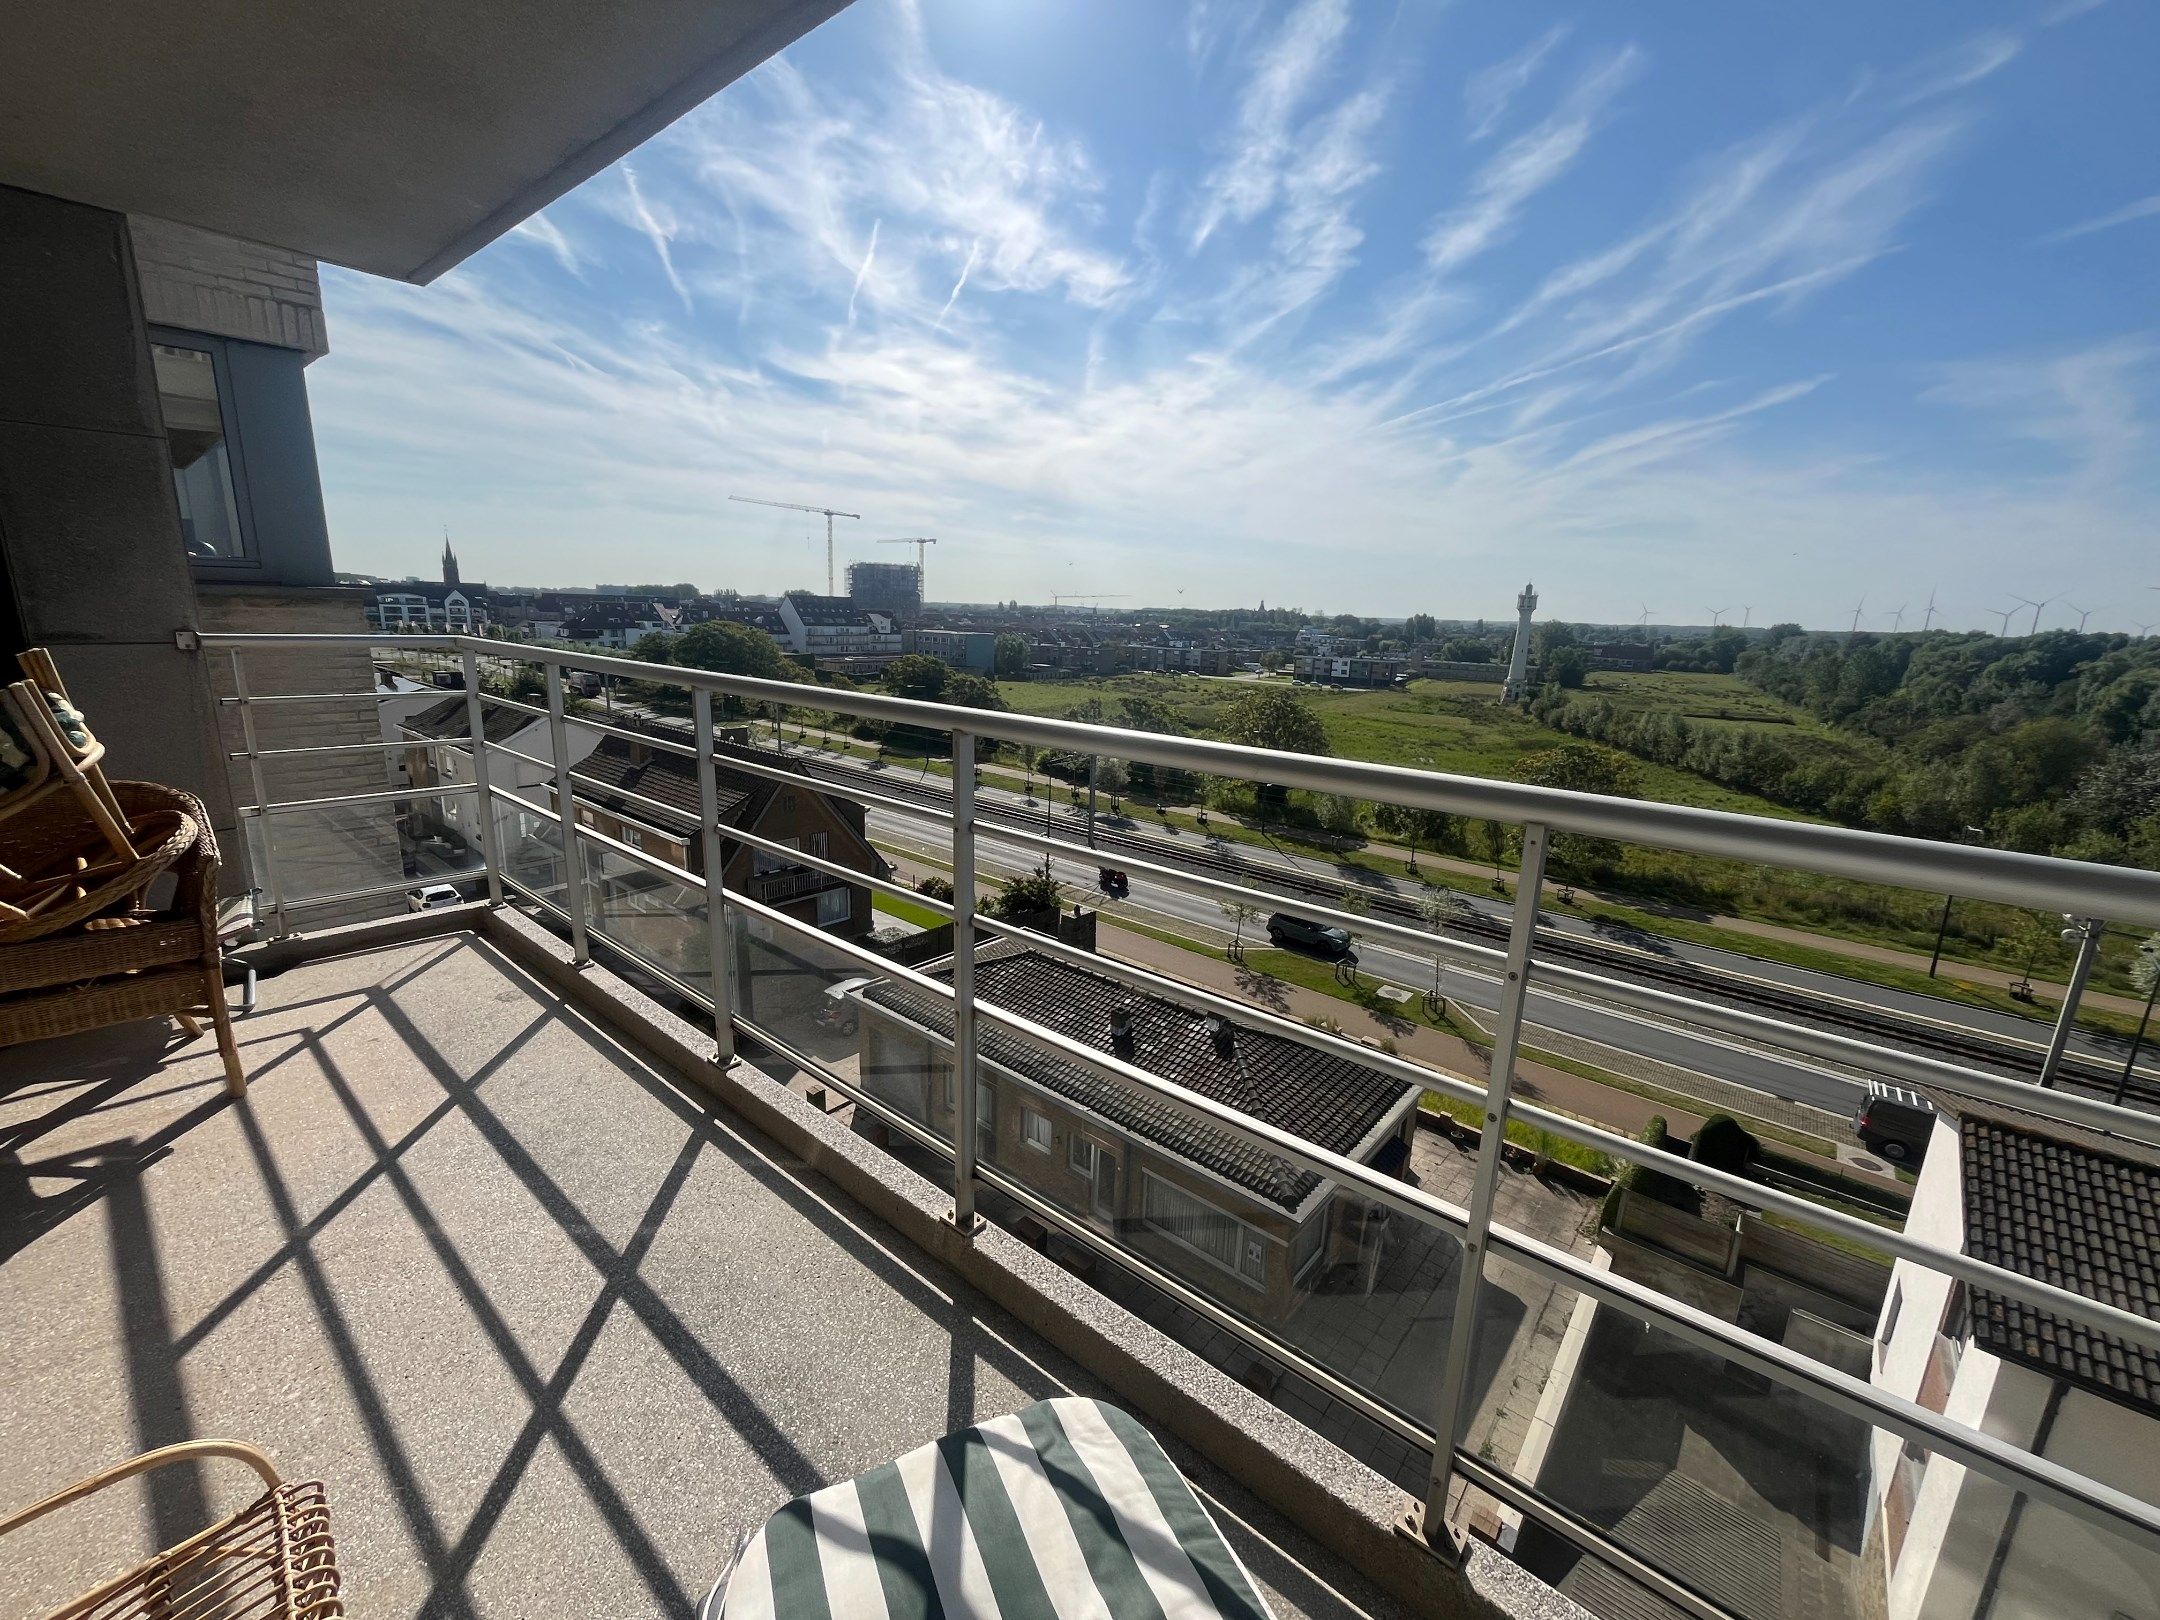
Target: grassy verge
(1536,1139)
(1888,975)
(907,911)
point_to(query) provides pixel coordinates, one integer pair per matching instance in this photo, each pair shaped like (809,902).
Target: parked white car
(433,898)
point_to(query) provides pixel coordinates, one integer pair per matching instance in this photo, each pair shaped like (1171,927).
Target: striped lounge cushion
(1066,1510)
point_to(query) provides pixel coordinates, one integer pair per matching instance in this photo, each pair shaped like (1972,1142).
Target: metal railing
(719,926)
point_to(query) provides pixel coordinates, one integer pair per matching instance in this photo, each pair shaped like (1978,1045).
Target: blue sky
(1369,308)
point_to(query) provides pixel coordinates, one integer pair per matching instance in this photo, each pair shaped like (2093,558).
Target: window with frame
(763,863)
(820,845)
(1188,1219)
(192,404)
(835,906)
(1035,1130)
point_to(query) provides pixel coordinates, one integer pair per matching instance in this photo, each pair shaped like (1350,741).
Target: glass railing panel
(656,918)
(832,1008)
(1769,1500)
(422,839)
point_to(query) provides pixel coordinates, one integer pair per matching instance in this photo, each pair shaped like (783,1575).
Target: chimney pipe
(1224,1034)
(1121,1038)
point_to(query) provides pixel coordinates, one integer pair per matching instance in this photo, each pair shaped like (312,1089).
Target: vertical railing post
(1094,760)
(263,825)
(963,983)
(573,854)
(716,921)
(1507,1034)
(476,725)
(2090,930)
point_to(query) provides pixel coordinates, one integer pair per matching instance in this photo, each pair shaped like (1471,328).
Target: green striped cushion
(1066,1511)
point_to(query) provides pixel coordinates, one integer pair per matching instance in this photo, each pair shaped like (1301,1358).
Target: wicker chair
(165,964)
(273,1560)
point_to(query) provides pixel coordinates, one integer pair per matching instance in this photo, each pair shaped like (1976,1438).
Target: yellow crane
(826,512)
(919,542)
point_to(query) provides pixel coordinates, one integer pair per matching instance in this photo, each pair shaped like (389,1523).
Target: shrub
(1724,1144)
(936,888)
(1643,1179)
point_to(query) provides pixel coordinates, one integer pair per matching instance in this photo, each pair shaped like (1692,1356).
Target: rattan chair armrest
(237,1450)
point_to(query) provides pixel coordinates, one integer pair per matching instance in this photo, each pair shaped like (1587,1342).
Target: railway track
(1930,1037)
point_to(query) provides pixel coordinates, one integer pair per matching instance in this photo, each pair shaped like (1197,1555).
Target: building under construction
(893,588)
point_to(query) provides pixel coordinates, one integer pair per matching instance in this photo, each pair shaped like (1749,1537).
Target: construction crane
(918,542)
(826,512)
(1060,601)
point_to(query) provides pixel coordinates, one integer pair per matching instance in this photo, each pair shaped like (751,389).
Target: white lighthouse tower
(1518,669)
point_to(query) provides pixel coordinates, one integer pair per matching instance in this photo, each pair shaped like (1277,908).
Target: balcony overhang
(389,136)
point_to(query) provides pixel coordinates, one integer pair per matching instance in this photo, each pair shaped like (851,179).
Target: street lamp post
(1942,928)
(2087,932)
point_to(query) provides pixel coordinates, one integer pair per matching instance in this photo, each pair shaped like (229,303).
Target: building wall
(94,567)
(209,283)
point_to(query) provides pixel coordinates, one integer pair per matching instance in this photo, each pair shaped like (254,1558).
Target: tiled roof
(2070,1208)
(667,777)
(826,610)
(1329,1101)
(446,720)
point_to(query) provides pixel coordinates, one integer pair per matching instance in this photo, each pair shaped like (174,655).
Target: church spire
(449,559)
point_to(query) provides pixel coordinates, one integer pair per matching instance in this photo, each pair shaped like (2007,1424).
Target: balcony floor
(555,1331)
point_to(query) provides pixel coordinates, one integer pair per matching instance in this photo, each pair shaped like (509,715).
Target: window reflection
(202,469)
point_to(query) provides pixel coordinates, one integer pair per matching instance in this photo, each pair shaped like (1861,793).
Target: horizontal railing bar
(452,790)
(2053,1102)
(2086,1498)
(377,696)
(652,863)
(345,748)
(1573,1527)
(2039,882)
(1243,1012)
(629,953)
(2096,1314)
(831,868)
(666,745)
(401,886)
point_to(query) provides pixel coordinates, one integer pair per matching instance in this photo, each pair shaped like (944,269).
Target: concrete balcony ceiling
(385,135)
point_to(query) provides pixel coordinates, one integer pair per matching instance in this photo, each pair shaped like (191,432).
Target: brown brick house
(1242,1224)
(814,822)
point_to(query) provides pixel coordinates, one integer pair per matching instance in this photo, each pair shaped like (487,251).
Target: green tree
(965,691)
(1581,768)
(1269,717)
(1027,896)
(1420,627)
(728,648)
(919,676)
(1567,667)
(1011,656)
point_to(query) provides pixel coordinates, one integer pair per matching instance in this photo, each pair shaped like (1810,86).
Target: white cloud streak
(1489,93)
(1289,71)
(660,235)
(2128,214)
(862,272)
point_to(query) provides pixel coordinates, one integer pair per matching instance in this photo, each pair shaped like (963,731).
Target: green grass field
(1455,726)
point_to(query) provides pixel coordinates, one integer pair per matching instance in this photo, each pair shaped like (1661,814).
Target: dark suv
(1297,933)
(1895,1122)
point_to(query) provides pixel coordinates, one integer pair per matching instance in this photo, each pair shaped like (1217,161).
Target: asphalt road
(1165,907)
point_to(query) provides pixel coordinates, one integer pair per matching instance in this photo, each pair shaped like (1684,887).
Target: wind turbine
(1746,614)
(2004,615)
(2036,607)
(2082,613)
(1717,616)
(1856,612)
(1930,619)
(1897,617)
(2145,630)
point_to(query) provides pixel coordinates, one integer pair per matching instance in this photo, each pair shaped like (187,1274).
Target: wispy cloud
(1290,68)
(862,272)
(2087,403)
(1964,64)
(661,235)
(1528,164)
(1488,94)
(2129,213)
(953,297)
(539,228)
